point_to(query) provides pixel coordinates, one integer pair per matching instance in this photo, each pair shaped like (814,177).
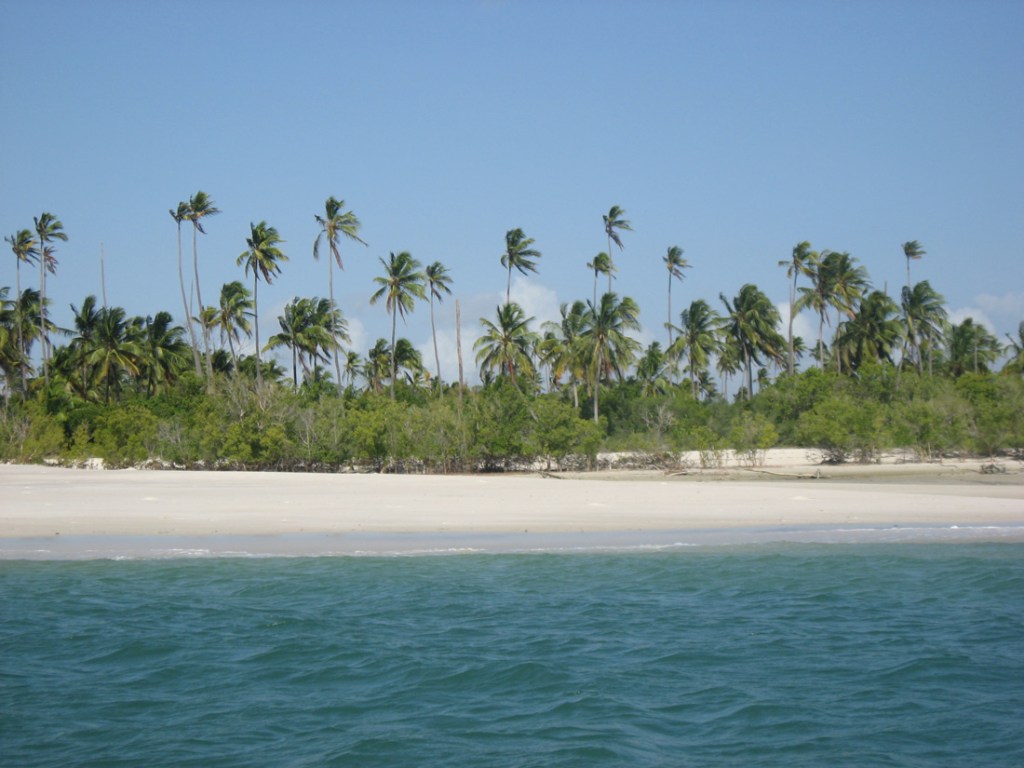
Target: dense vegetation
(133,389)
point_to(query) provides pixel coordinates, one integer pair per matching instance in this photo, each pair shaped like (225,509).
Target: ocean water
(880,654)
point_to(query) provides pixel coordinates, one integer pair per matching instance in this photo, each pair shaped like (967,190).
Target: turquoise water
(788,655)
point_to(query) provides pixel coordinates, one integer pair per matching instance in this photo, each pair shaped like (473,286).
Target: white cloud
(957,316)
(1009,306)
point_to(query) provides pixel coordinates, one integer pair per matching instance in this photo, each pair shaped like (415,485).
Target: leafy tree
(924,318)
(400,285)
(519,255)
(675,263)
(438,282)
(507,346)
(971,347)
(333,224)
(262,257)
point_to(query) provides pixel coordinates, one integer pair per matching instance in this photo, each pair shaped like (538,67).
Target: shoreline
(112,511)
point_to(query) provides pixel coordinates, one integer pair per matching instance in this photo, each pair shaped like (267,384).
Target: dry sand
(38,501)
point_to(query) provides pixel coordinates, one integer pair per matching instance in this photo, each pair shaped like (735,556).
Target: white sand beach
(39,501)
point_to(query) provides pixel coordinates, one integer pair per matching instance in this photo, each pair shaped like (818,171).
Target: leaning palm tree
(912,250)
(751,322)
(262,257)
(506,346)
(200,206)
(675,263)
(233,312)
(400,285)
(602,265)
(438,281)
(179,215)
(800,264)
(611,349)
(519,255)
(333,224)
(48,228)
(24,246)
(613,224)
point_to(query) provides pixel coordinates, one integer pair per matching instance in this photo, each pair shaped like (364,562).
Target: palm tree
(1016,350)
(698,336)
(611,350)
(652,371)
(162,354)
(751,322)
(378,361)
(506,346)
(333,224)
(800,264)
(353,367)
(408,359)
(438,281)
(262,257)
(113,352)
(400,285)
(25,249)
(602,265)
(925,319)
(48,228)
(848,284)
(86,321)
(298,334)
(873,332)
(675,263)
(233,313)
(912,250)
(817,297)
(561,347)
(613,224)
(518,254)
(179,215)
(971,348)
(200,206)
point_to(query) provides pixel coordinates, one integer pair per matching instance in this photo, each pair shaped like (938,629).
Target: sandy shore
(47,502)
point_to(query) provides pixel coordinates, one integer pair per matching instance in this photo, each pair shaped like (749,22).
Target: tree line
(587,366)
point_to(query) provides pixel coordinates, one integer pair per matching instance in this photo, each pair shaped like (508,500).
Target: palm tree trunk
(336,350)
(199,298)
(792,305)
(19,305)
(669,323)
(433,334)
(597,382)
(394,372)
(256,322)
(42,310)
(188,315)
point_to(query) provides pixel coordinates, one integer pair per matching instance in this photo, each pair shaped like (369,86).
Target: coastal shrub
(750,436)
(843,427)
(559,432)
(124,435)
(932,426)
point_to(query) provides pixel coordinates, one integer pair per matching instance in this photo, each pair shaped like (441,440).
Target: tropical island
(884,372)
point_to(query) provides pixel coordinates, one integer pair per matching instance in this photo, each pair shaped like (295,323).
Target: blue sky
(732,129)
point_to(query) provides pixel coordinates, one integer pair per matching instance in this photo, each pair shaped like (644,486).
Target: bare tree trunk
(458,345)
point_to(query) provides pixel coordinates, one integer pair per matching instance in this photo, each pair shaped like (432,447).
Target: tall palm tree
(562,348)
(114,352)
(614,223)
(335,223)
(506,346)
(698,338)
(611,349)
(48,228)
(752,321)
(200,206)
(438,282)
(86,321)
(25,249)
(179,215)
(675,263)
(262,257)
(519,255)
(912,250)
(602,265)
(924,318)
(298,334)
(234,310)
(800,264)
(400,285)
